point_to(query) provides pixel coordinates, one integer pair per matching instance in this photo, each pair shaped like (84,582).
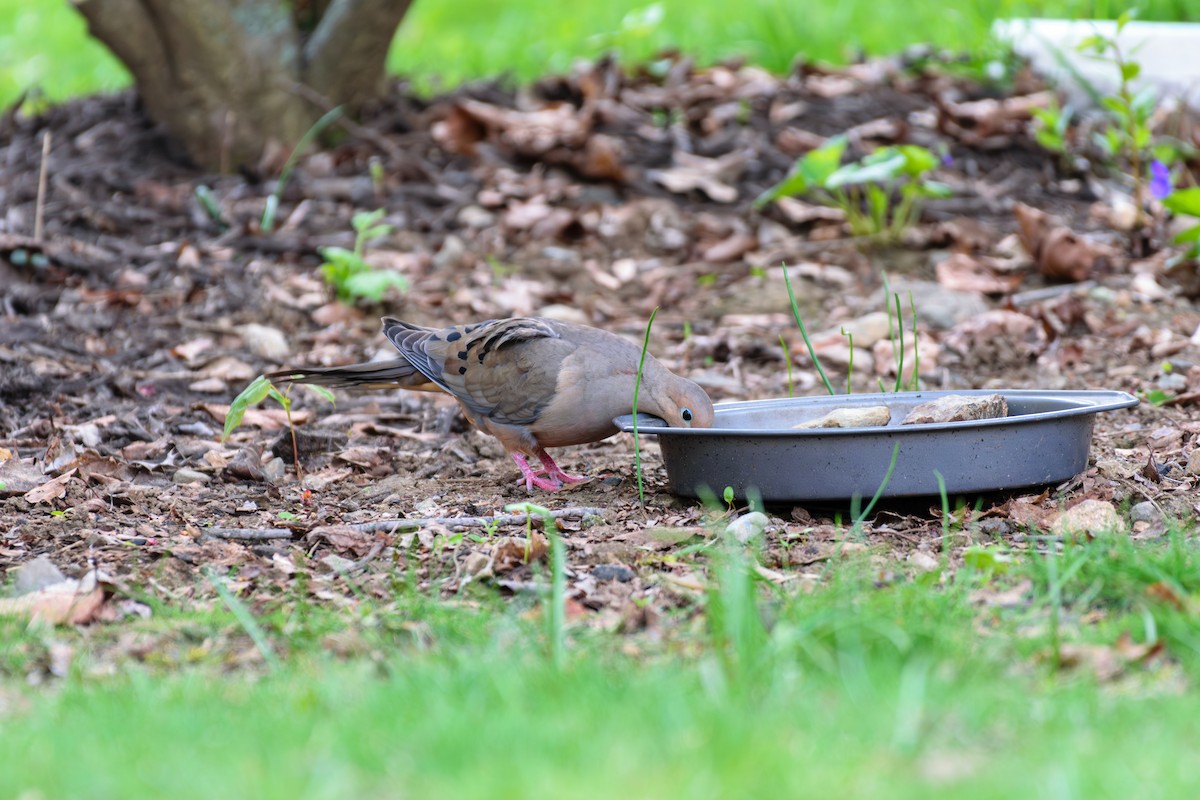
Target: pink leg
(555,472)
(532,478)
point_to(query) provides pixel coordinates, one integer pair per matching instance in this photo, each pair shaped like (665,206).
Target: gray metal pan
(752,446)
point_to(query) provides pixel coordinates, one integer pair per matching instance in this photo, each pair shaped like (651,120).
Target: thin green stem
(787,359)
(812,353)
(637,388)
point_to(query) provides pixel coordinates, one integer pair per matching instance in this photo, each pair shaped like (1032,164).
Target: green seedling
(1051,128)
(208,202)
(271,210)
(787,359)
(260,389)
(556,619)
(347,271)
(880,193)
(1186,202)
(1130,135)
(728,496)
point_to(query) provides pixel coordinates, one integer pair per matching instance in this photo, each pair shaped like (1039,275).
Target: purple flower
(1160,179)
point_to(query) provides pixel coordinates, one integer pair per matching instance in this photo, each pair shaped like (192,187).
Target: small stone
(958,408)
(1088,519)
(1193,463)
(995,528)
(87,434)
(476,217)
(475,563)
(35,575)
(274,470)
(265,342)
(184,476)
(452,253)
(1144,511)
(209,386)
(867,417)
(923,561)
(613,572)
(747,526)
(336,563)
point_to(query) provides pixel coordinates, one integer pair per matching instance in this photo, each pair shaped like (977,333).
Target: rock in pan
(958,408)
(868,417)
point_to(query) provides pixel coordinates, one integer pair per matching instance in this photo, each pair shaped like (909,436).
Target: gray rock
(613,572)
(938,307)
(36,574)
(184,475)
(1144,511)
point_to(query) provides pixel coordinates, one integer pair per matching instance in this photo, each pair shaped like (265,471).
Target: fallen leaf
(50,490)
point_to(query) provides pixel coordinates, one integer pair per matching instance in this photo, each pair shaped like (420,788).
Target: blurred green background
(44,45)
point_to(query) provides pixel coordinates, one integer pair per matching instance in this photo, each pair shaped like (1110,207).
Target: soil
(132,324)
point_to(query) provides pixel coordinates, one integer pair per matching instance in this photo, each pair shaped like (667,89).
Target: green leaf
(344,258)
(917,160)
(373,284)
(252,395)
(322,392)
(857,174)
(817,165)
(810,171)
(1156,397)
(1125,19)
(281,398)
(363,220)
(936,189)
(1114,104)
(1130,70)
(1096,43)
(1184,201)
(987,559)
(1189,236)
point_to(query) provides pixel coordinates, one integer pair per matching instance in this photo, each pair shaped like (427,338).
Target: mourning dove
(532,383)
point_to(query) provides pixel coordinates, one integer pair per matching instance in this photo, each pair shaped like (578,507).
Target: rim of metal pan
(1078,402)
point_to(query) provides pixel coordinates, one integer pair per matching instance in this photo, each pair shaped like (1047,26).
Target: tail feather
(397,372)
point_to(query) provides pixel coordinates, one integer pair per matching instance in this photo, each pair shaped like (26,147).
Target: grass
(876,683)
(43,43)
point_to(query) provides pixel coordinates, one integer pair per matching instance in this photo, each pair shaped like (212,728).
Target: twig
(253,534)
(402,525)
(457,523)
(40,209)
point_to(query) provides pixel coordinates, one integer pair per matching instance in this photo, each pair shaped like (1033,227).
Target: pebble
(995,528)
(1089,518)
(747,526)
(1144,511)
(1193,462)
(274,470)
(265,342)
(476,217)
(613,572)
(923,561)
(452,253)
(184,476)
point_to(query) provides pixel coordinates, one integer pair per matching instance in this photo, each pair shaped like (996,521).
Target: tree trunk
(225,76)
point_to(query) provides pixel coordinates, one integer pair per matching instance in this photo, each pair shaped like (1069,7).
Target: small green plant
(556,618)
(727,495)
(1185,202)
(880,193)
(1051,127)
(260,389)
(895,333)
(347,271)
(271,210)
(1129,137)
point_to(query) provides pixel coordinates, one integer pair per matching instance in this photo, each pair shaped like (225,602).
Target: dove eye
(686,414)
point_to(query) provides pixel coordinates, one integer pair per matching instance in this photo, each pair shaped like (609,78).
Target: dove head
(682,403)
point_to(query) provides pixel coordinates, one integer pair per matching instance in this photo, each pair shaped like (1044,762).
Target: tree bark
(222,75)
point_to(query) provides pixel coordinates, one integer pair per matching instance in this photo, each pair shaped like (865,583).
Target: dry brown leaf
(512,551)
(70,601)
(712,176)
(963,273)
(1057,251)
(50,490)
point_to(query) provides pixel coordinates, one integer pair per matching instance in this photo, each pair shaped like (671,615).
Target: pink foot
(555,472)
(533,479)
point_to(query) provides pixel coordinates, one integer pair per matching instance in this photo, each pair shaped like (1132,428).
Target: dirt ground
(595,198)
